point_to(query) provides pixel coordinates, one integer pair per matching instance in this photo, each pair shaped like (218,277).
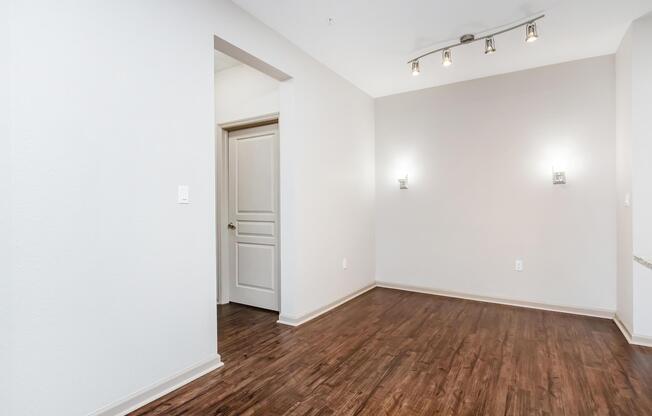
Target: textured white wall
(114,282)
(242,92)
(479,155)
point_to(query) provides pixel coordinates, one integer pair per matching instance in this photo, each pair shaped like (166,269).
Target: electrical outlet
(518,265)
(345,263)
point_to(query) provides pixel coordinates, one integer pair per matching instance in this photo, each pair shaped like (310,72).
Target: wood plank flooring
(391,352)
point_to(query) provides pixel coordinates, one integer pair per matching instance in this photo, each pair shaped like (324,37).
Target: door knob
(231,226)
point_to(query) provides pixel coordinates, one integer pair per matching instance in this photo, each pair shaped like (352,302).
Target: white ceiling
(370,41)
(224,61)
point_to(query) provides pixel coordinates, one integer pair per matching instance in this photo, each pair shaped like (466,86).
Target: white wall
(479,156)
(640,140)
(114,283)
(624,179)
(327,192)
(634,92)
(242,92)
(642,173)
(5,186)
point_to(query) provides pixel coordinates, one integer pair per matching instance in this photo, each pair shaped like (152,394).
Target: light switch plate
(183,195)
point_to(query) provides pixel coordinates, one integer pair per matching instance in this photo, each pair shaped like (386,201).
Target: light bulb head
(489,46)
(415,68)
(446,57)
(531,33)
(403,182)
(558,177)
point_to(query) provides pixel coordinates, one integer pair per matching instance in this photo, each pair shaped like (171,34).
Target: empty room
(325,207)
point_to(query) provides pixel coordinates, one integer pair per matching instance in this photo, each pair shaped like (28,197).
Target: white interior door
(253,216)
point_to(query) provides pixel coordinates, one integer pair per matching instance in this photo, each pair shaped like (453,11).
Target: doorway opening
(247,112)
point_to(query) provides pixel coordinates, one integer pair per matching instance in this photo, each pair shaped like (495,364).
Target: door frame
(222,201)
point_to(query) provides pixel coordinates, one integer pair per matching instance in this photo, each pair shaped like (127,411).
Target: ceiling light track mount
(468,38)
(531,34)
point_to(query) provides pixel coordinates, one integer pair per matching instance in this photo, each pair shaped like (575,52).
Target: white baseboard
(598,313)
(632,339)
(160,389)
(641,341)
(296,321)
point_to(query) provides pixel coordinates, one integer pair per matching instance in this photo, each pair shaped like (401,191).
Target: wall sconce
(558,177)
(403,182)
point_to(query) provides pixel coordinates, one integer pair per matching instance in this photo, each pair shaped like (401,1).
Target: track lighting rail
(469,38)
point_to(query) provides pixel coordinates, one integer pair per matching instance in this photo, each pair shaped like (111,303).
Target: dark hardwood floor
(390,352)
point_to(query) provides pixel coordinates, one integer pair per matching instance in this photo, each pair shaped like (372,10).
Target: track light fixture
(446,58)
(415,68)
(489,46)
(531,34)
